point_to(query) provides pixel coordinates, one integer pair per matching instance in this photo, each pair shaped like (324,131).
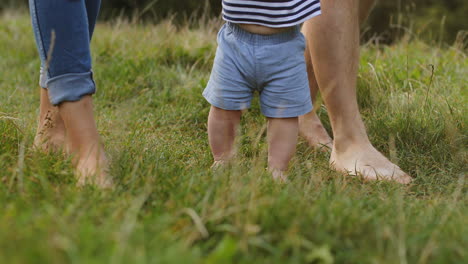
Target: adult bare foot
(220,165)
(50,134)
(367,162)
(83,143)
(312,130)
(92,167)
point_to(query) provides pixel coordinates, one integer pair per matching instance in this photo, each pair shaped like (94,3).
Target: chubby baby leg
(282,140)
(222,130)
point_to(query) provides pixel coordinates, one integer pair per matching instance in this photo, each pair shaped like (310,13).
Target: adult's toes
(393,173)
(372,173)
(403,178)
(105,183)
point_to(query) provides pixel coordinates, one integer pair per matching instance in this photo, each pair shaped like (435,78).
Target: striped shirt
(270,13)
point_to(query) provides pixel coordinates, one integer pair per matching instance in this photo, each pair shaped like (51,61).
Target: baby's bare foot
(50,134)
(312,130)
(279,175)
(365,161)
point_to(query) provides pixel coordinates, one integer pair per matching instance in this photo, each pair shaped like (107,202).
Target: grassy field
(168,207)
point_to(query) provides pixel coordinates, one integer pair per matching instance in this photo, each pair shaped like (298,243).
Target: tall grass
(169,207)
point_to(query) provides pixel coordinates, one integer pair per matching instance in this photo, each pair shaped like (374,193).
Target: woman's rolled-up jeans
(63,31)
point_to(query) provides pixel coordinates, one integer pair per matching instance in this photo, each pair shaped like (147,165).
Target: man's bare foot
(312,130)
(218,164)
(368,163)
(92,167)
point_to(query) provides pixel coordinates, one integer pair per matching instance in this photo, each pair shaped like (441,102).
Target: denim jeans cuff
(70,87)
(43,78)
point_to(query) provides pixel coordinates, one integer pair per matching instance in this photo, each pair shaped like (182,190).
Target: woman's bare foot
(365,161)
(50,134)
(71,127)
(83,143)
(92,168)
(312,130)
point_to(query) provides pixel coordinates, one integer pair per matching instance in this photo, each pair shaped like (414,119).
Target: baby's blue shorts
(273,65)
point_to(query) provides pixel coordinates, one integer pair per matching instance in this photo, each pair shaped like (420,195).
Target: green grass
(168,207)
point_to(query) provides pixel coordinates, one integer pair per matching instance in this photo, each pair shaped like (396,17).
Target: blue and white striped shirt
(270,13)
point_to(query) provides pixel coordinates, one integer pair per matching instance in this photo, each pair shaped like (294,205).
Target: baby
(260,48)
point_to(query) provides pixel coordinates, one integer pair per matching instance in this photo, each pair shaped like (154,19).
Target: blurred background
(429,20)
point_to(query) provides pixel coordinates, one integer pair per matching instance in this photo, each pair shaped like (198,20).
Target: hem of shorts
(296,113)
(70,87)
(217,103)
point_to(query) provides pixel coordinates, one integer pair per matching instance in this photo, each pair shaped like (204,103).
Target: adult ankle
(344,143)
(348,135)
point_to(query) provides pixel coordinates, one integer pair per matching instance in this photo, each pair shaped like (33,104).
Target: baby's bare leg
(282,140)
(222,129)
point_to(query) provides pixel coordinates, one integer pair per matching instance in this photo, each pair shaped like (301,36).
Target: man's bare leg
(333,40)
(310,126)
(50,134)
(365,7)
(83,142)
